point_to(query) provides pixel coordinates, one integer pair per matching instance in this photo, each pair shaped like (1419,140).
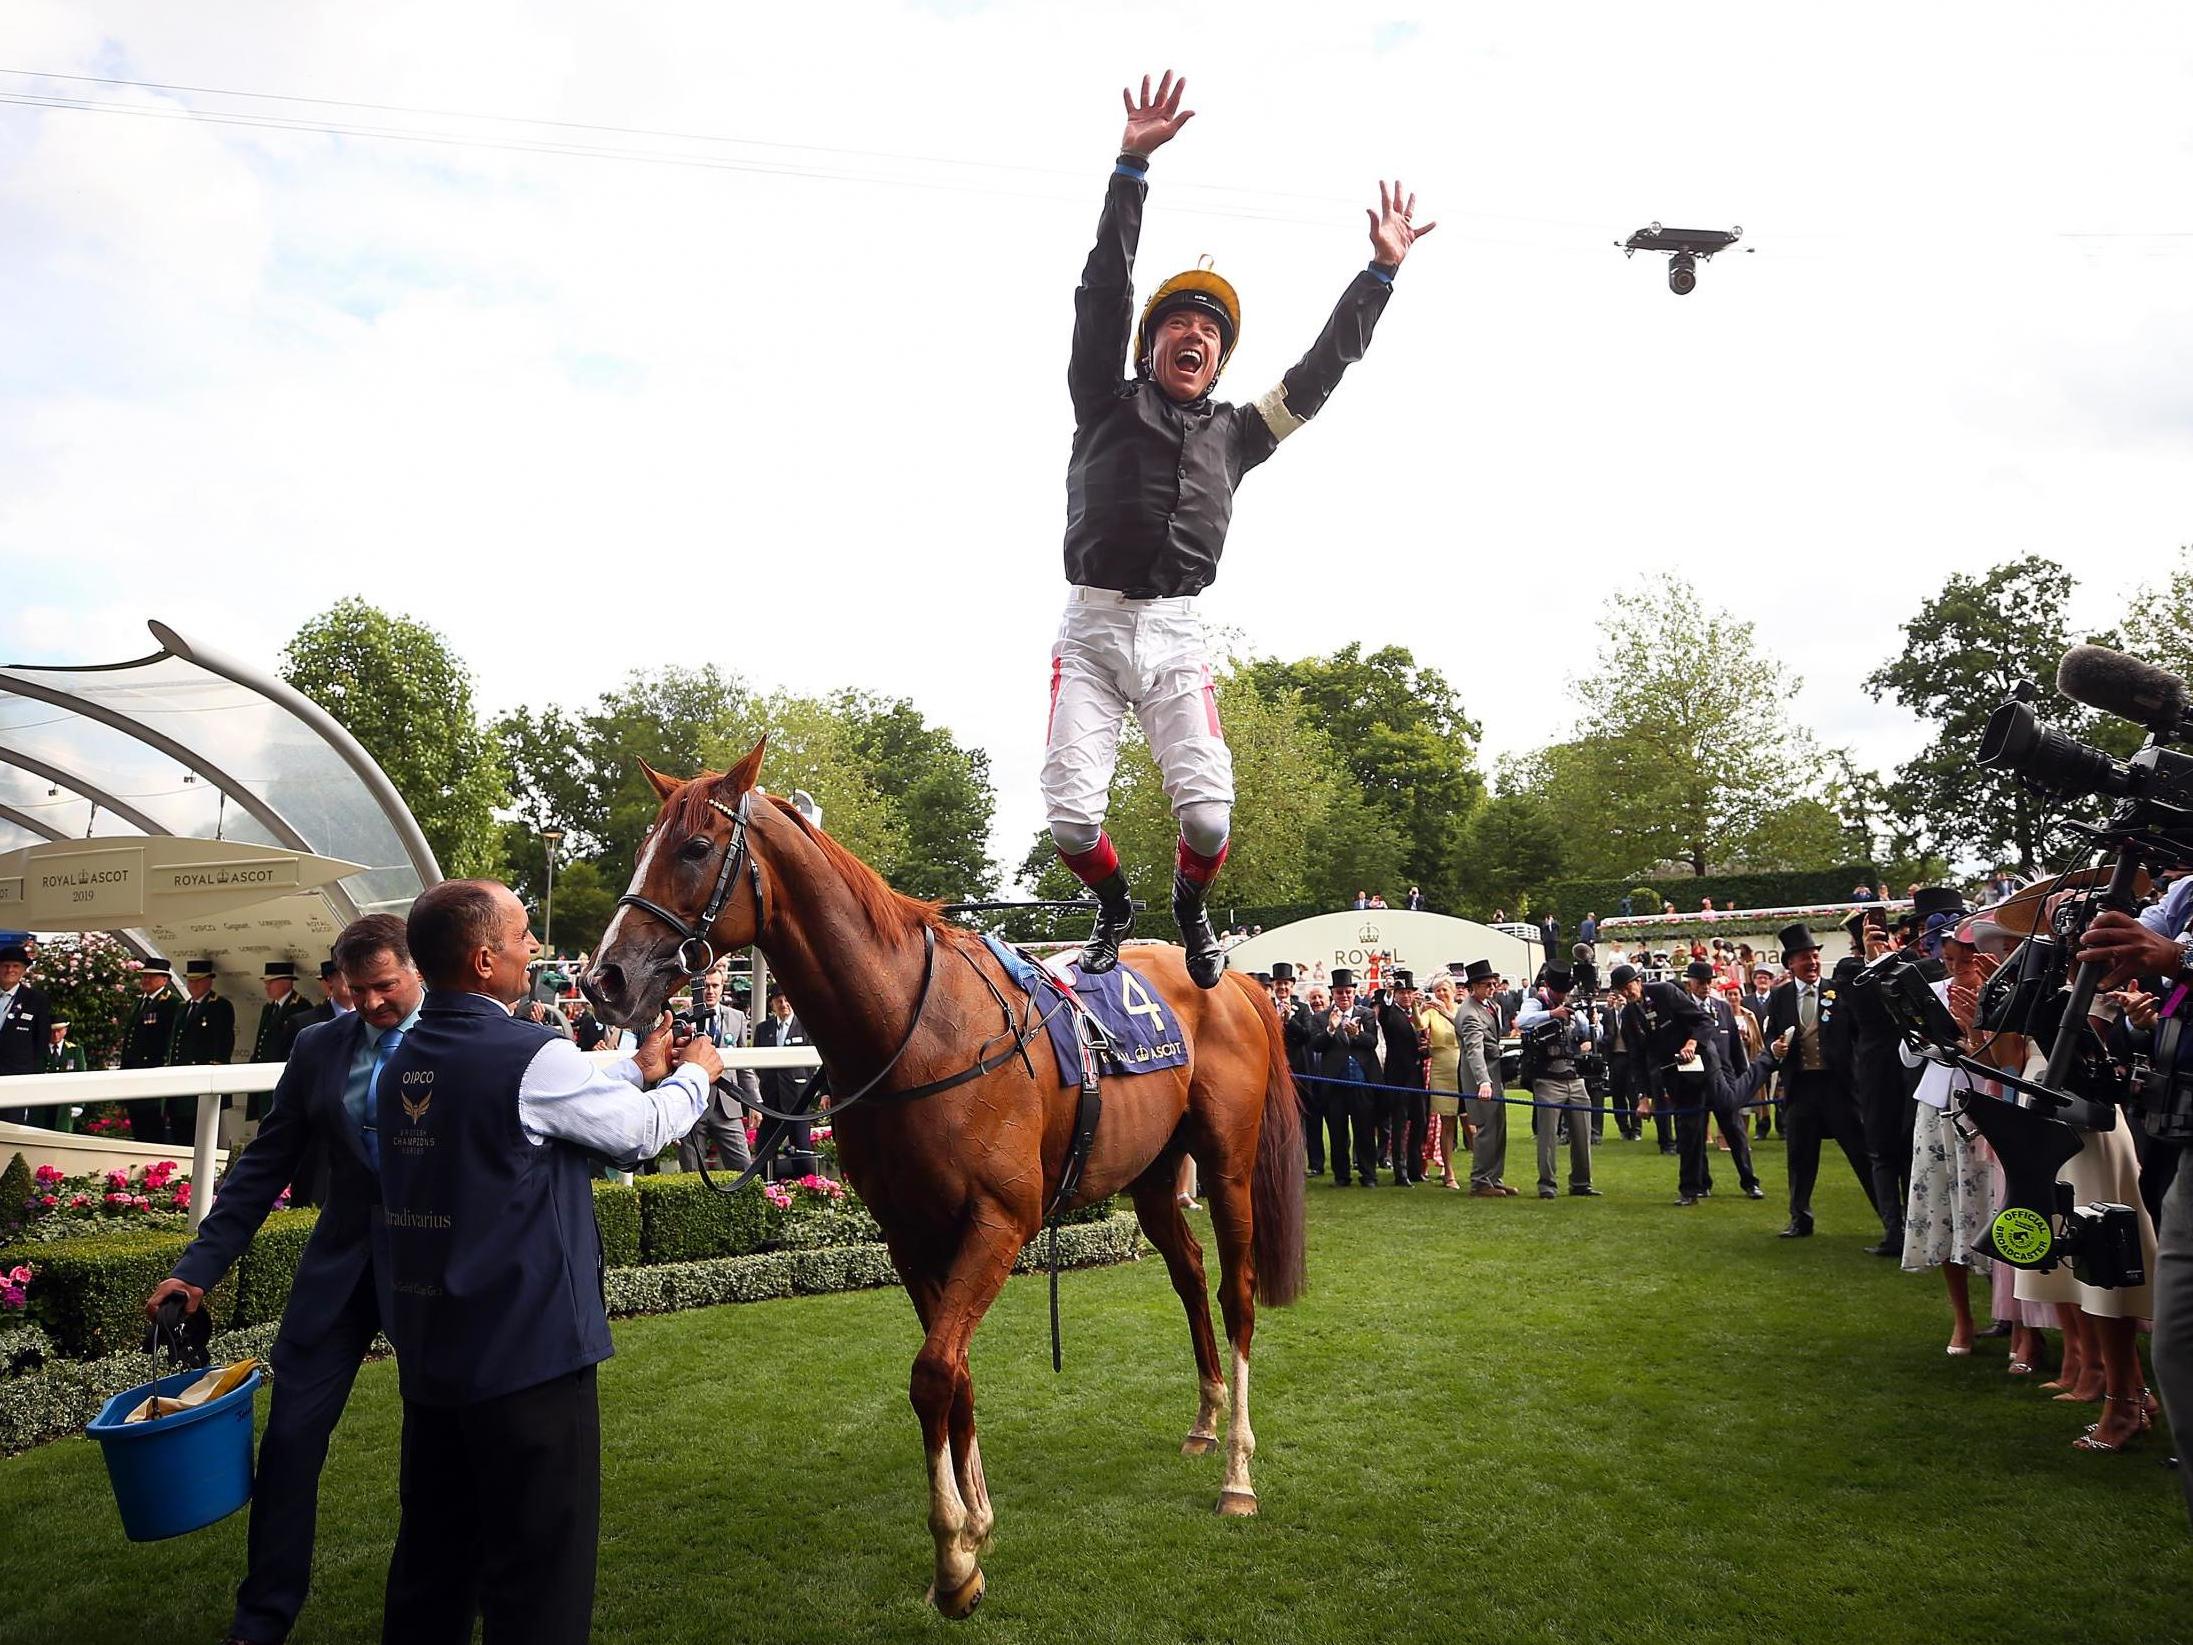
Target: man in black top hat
(335,1000)
(1805,1032)
(280,1020)
(1663,1025)
(1294,1025)
(146,1045)
(26,1024)
(205,1032)
(1345,1044)
(1409,1108)
(1713,1094)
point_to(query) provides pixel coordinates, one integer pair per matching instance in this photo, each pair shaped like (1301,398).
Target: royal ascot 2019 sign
(71,890)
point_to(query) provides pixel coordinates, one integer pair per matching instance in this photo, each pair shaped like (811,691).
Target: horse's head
(694,895)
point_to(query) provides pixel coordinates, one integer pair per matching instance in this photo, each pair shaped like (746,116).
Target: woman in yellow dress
(1436,1020)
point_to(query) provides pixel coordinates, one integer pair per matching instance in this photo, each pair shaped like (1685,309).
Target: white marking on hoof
(1237,1504)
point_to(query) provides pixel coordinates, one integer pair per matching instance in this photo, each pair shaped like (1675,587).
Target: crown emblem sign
(1368,935)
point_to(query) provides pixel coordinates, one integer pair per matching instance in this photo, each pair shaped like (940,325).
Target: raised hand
(1393,229)
(1154,121)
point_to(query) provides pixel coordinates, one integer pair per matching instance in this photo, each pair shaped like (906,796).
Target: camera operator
(1555,1039)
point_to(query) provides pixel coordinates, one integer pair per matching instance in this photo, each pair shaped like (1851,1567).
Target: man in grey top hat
(1477,1032)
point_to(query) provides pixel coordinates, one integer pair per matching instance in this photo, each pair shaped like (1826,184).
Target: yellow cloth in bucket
(216,1382)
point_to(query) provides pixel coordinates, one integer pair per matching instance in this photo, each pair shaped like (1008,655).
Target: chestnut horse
(960,1180)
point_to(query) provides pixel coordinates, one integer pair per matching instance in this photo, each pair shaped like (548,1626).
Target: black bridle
(695,932)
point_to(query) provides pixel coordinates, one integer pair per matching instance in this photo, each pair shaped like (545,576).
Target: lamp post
(550,837)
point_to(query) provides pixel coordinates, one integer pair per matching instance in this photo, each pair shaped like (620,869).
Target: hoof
(960,1603)
(1198,1445)
(1237,1504)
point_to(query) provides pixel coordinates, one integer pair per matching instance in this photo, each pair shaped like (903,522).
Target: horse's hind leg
(951,1309)
(1159,1212)
(1227,1194)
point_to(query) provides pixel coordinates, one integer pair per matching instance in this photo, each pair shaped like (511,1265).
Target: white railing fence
(210,1081)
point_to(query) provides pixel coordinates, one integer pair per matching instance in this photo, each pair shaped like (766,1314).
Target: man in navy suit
(323,1107)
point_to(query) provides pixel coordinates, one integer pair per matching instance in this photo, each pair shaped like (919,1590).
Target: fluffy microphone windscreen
(2123,686)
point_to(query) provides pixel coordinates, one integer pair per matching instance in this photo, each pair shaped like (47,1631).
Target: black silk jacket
(1150,487)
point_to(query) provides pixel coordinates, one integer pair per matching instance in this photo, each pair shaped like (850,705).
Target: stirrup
(1206,958)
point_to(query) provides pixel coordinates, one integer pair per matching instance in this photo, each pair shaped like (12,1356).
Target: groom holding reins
(1149,492)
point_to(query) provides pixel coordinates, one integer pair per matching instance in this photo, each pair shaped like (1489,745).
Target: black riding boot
(1206,960)
(1115,920)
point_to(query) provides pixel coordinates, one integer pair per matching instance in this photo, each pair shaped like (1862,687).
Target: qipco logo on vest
(416,1093)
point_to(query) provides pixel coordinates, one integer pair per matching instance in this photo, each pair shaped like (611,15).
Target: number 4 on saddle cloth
(1114,1023)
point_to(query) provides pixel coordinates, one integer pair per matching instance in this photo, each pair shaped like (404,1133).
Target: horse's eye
(698,847)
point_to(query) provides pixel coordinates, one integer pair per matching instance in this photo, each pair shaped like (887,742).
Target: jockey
(1149,491)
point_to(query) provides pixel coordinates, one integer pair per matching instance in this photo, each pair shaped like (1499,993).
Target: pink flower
(48,1201)
(77,1200)
(117,1178)
(20,1276)
(181,1199)
(142,1203)
(49,1173)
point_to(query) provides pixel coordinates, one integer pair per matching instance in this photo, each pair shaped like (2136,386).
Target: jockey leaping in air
(1149,491)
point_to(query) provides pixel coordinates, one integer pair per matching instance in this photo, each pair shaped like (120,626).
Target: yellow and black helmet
(1199,287)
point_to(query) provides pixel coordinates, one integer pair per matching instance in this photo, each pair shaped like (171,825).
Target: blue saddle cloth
(1141,1033)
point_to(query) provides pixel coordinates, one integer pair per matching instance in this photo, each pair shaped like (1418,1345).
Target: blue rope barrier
(1518,1102)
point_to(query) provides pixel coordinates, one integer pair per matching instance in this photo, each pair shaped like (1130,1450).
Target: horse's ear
(664,786)
(742,776)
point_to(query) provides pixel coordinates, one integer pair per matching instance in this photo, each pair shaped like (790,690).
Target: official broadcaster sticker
(2021,1235)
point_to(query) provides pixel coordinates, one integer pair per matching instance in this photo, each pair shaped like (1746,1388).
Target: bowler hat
(1622,976)
(1343,977)
(14,954)
(1698,971)
(1282,971)
(1477,971)
(1797,939)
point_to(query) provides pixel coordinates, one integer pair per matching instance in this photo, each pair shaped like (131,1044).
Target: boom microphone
(2126,687)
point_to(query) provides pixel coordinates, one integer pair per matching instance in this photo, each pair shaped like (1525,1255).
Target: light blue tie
(381,1053)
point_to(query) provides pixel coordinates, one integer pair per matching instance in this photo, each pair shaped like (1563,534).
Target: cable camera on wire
(1686,248)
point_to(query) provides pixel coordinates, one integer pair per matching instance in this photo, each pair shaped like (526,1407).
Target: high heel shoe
(2092,1439)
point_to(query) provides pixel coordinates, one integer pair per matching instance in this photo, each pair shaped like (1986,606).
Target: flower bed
(59,1206)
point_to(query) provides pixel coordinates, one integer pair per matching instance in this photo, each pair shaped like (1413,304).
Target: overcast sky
(787,394)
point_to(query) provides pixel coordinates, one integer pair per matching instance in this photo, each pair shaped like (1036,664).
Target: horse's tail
(1275,1191)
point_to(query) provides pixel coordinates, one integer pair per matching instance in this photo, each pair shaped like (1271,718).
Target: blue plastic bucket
(177,1473)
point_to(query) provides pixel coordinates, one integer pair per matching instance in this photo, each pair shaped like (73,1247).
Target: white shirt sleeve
(565,1094)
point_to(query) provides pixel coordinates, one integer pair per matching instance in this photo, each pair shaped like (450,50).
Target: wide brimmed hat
(1797,939)
(1477,971)
(2027,912)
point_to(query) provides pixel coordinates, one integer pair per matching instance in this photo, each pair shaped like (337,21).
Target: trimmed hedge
(67,1394)
(268,1268)
(682,1219)
(617,1214)
(91,1291)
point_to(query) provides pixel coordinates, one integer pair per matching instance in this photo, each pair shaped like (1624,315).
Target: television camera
(1686,248)
(2096,1063)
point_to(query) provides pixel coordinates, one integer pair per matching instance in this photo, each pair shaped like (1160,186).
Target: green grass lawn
(1496,1420)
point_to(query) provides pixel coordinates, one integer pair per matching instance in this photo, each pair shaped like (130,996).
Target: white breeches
(1114,655)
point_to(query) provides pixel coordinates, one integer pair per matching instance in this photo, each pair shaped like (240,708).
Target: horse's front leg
(960,1517)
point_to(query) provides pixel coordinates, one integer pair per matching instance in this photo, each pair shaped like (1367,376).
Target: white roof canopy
(191,743)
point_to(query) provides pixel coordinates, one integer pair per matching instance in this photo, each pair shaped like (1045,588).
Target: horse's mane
(887,910)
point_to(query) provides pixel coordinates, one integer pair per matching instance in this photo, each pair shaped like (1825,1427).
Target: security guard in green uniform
(150,1038)
(280,1019)
(62,1056)
(205,1032)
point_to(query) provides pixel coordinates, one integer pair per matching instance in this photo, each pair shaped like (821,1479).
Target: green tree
(1696,754)
(939,793)
(2159,626)
(1963,651)
(1399,731)
(1514,850)
(395,685)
